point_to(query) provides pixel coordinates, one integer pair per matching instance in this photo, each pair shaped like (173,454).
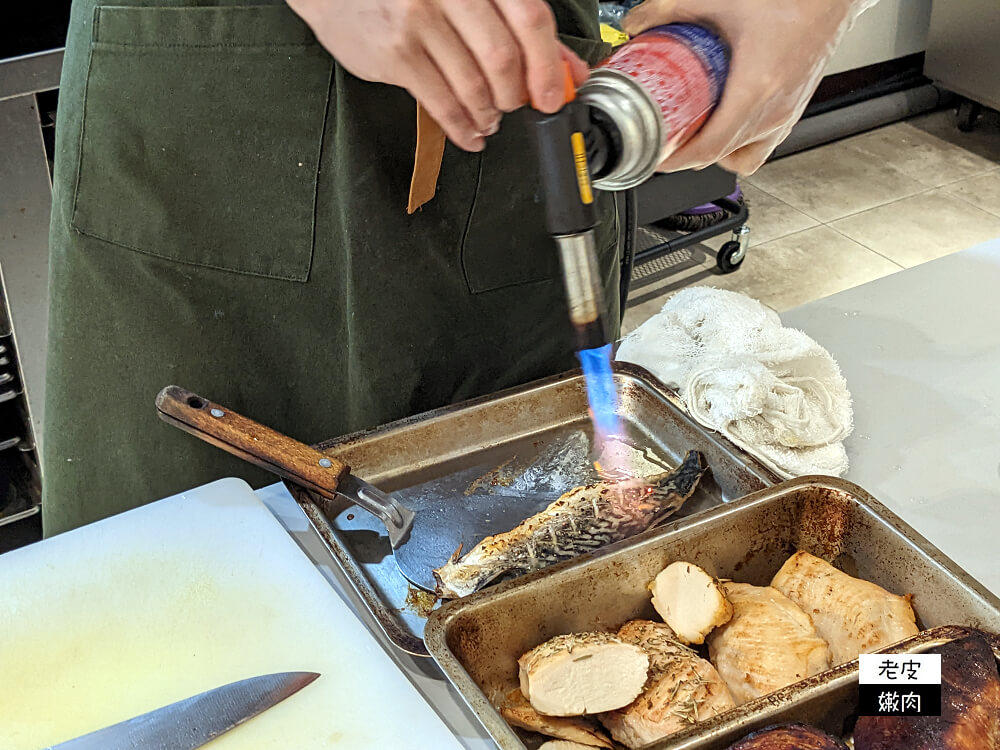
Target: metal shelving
(20,488)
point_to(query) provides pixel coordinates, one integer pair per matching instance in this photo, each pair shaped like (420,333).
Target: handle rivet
(326,463)
(217,413)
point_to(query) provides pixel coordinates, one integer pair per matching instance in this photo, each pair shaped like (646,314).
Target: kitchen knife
(192,722)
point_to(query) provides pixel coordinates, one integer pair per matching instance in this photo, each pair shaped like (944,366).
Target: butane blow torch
(571,215)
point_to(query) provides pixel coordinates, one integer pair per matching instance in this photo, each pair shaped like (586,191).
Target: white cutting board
(160,603)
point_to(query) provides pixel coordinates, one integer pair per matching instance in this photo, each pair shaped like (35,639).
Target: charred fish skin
(582,520)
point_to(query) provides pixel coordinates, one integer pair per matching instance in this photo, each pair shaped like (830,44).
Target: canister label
(683,68)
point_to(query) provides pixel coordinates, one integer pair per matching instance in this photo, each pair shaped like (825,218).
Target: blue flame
(601,393)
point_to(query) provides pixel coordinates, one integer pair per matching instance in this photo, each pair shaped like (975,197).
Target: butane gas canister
(649,97)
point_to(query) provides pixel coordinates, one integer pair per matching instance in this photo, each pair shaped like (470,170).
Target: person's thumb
(648,14)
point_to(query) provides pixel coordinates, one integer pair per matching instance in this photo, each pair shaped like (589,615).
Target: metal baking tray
(477,640)
(503,438)
(828,701)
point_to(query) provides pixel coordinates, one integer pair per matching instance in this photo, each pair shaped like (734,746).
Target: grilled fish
(582,520)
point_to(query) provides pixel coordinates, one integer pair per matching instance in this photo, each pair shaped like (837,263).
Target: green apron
(229,216)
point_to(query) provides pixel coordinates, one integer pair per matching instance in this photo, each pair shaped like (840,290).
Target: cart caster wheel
(730,257)
(968,113)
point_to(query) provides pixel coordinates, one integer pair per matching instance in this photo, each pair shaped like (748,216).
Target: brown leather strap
(426,160)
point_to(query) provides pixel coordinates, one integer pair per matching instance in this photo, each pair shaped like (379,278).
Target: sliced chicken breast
(682,689)
(690,601)
(577,729)
(582,673)
(853,616)
(769,643)
(563,745)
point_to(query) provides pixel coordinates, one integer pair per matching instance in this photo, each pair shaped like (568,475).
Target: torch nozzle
(584,293)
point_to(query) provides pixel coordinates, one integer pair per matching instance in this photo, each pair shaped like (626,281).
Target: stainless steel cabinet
(963,49)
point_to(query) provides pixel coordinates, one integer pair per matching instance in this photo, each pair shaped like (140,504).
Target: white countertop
(422,671)
(921,353)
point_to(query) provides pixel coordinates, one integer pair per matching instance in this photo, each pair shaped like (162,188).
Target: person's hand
(466,61)
(779,51)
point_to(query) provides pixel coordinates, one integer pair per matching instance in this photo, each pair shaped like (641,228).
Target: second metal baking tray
(477,640)
(496,443)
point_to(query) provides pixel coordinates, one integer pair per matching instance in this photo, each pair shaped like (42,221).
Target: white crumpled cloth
(772,390)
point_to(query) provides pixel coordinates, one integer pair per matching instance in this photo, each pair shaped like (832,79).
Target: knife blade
(192,722)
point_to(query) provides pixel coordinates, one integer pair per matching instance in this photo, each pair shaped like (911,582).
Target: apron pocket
(202,134)
(506,242)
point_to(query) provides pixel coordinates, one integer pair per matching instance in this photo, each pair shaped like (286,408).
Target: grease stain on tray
(494,477)
(419,601)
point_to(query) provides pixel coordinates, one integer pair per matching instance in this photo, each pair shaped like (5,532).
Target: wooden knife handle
(251,441)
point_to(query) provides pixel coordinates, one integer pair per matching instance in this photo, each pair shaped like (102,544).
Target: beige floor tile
(647,300)
(874,190)
(927,158)
(637,315)
(833,181)
(771,218)
(921,228)
(802,267)
(984,140)
(982,191)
